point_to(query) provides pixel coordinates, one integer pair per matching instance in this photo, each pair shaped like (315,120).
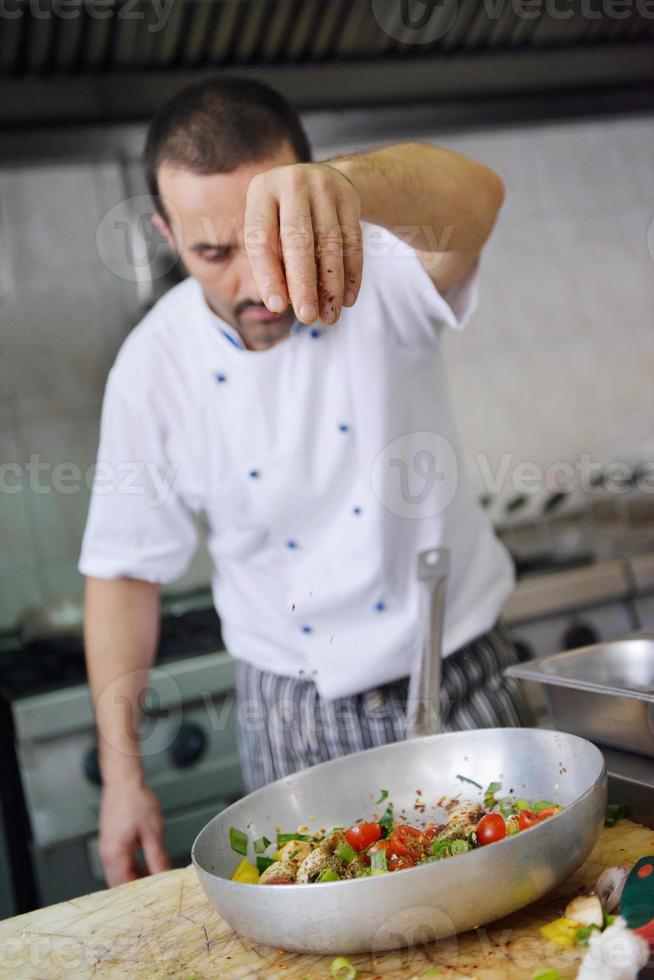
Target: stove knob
(91,766)
(524,651)
(579,635)
(188,746)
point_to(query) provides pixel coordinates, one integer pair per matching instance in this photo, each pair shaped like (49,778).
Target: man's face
(206,228)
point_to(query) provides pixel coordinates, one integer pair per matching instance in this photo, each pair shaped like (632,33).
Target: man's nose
(246,286)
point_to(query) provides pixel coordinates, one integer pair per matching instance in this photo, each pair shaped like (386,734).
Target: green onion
(459,847)
(386,822)
(489,795)
(285,838)
(512,825)
(441,848)
(464,779)
(583,934)
(543,805)
(263,863)
(378,864)
(383,796)
(261,844)
(327,875)
(614,812)
(238,841)
(346,853)
(342,969)
(546,975)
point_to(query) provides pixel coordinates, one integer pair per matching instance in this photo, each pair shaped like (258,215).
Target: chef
(289,396)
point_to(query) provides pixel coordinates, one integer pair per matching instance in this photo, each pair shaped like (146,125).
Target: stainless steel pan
(431,901)
(604,692)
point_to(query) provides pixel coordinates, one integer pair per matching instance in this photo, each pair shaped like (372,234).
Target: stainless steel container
(431,901)
(604,692)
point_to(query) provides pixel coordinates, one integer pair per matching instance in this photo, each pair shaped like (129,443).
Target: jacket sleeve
(137,526)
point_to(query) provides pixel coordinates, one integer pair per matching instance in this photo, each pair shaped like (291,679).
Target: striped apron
(283,725)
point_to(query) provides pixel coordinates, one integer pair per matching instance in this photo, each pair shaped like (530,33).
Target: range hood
(130,54)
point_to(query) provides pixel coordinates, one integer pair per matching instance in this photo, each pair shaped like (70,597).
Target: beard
(258,327)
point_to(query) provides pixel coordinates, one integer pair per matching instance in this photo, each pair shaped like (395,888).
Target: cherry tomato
(549,811)
(406,841)
(491,828)
(431,830)
(397,863)
(362,835)
(527,819)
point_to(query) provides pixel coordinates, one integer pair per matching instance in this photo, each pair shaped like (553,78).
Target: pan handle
(423,705)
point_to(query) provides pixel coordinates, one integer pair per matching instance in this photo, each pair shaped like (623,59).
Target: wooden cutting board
(163,927)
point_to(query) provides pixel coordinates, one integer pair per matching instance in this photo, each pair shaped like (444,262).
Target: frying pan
(432,901)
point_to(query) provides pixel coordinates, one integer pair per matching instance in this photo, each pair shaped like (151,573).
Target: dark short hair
(217,125)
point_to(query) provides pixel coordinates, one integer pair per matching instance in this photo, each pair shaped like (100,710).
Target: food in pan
(385,844)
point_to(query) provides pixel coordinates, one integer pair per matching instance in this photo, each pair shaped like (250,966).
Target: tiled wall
(558,360)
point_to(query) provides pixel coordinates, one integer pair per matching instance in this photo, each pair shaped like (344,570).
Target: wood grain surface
(163,927)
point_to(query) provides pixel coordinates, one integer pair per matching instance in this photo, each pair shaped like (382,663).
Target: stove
(48,751)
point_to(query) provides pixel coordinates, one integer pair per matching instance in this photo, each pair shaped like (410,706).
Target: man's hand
(303,239)
(130,818)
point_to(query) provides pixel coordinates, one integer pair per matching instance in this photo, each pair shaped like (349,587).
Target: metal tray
(603,692)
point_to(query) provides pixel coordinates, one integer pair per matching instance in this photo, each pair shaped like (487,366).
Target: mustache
(247,304)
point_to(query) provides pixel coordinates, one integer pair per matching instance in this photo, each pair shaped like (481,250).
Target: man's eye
(216,255)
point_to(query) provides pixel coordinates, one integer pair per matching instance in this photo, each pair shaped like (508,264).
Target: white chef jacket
(321,467)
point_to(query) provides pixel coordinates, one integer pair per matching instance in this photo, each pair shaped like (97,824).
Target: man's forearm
(437,199)
(121,628)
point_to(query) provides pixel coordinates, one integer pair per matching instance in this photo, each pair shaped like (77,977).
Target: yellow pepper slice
(246,873)
(562,932)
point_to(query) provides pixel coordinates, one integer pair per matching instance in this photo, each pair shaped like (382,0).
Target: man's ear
(162,227)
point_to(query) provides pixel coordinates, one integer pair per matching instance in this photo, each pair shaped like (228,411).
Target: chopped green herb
(464,779)
(583,934)
(546,975)
(521,804)
(386,822)
(507,808)
(346,853)
(285,838)
(263,863)
(327,875)
(261,844)
(378,864)
(489,795)
(238,841)
(383,796)
(342,969)
(614,812)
